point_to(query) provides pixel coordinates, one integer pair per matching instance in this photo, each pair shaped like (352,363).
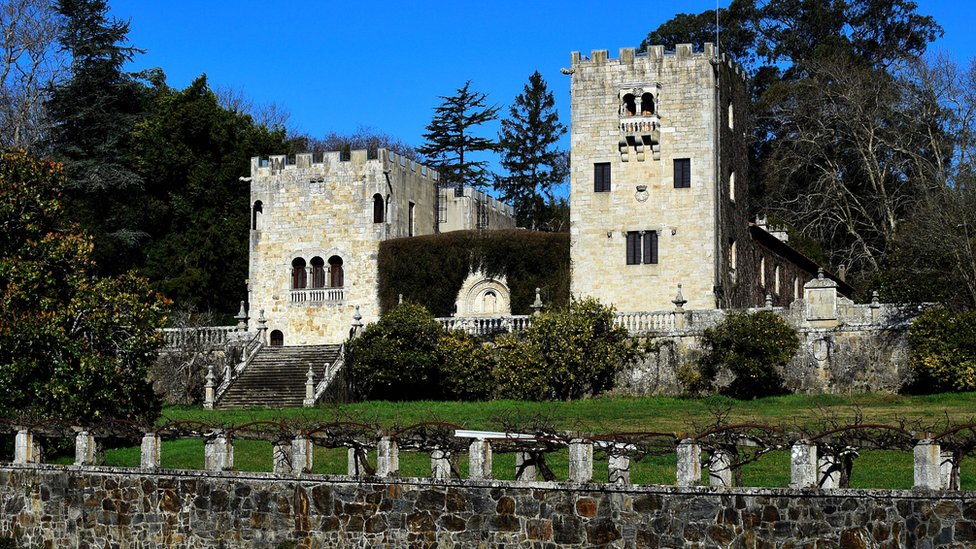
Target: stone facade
(316,225)
(657,146)
(56,506)
(473,210)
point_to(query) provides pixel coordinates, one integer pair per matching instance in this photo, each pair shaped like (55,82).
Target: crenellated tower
(658,146)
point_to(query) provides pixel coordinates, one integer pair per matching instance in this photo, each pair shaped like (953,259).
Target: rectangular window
(601,177)
(411,218)
(641,247)
(682,173)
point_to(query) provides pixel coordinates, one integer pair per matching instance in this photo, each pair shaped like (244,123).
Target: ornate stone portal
(482,295)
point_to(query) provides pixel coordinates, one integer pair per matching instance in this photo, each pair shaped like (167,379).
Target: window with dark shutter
(650,247)
(682,173)
(601,177)
(633,248)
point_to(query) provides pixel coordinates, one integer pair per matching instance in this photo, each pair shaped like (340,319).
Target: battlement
(655,54)
(324,162)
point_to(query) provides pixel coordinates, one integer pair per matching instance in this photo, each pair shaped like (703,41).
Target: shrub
(565,354)
(396,358)
(943,351)
(467,367)
(752,346)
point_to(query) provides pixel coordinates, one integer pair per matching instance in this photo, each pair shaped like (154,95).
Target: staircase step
(275,378)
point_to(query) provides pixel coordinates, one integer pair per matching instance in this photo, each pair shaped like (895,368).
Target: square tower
(658,146)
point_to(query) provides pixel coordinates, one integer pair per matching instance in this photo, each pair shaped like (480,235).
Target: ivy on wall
(431,269)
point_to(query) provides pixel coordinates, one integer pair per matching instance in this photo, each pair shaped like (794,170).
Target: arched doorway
(277,338)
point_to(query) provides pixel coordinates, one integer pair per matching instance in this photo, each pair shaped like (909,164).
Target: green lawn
(874,469)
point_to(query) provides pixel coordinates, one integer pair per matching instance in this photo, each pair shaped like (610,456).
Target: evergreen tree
(450,140)
(528,140)
(92,115)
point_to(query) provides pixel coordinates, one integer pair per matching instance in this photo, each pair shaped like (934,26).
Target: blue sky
(336,66)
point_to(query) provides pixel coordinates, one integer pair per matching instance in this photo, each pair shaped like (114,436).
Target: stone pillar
(301,455)
(580,460)
(820,295)
(720,469)
(263,327)
(875,308)
(218,453)
(309,388)
(928,465)
(479,460)
(387,458)
(829,471)
(281,457)
(353,467)
(208,389)
(689,463)
(149,452)
(803,465)
(679,310)
(26,447)
(440,464)
(528,473)
(947,471)
(618,469)
(86,449)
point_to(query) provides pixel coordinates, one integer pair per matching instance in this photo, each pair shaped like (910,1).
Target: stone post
(618,469)
(875,308)
(769,301)
(679,310)
(689,463)
(149,452)
(309,388)
(281,457)
(357,324)
(928,465)
(528,472)
(479,460)
(803,465)
(208,389)
(241,318)
(720,469)
(86,449)
(263,327)
(537,304)
(948,473)
(580,460)
(26,447)
(353,467)
(440,464)
(218,453)
(301,455)
(829,471)
(387,458)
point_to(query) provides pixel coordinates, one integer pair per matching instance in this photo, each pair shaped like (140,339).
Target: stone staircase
(276,377)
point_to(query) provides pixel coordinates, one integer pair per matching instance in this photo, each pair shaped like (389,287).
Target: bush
(565,354)
(467,367)
(396,358)
(943,351)
(752,346)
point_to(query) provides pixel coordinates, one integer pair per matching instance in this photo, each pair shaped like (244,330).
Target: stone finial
(875,299)
(208,389)
(679,300)
(241,319)
(769,301)
(263,327)
(820,275)
(537,304)
(357,324)
(399,299)
(309,387)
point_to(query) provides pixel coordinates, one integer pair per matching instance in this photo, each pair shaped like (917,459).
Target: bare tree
(270,115)
(31,62)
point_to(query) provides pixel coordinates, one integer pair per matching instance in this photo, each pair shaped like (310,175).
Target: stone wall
(56,506)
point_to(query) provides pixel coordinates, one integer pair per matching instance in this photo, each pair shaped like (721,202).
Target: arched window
(647,104)
(277,338)
(335,272)
(629,107)
(256,211)
(299,278)
(378,208)
(489,302)
(318,272)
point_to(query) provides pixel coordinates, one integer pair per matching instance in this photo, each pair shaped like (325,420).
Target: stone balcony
(318,295)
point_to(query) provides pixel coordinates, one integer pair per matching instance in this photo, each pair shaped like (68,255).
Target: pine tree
(92,115)
(528,140)
(450,140)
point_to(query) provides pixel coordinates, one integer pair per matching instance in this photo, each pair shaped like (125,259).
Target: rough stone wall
(694,225)
(833,361)
(462,212)
(88,507)
(324,209)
